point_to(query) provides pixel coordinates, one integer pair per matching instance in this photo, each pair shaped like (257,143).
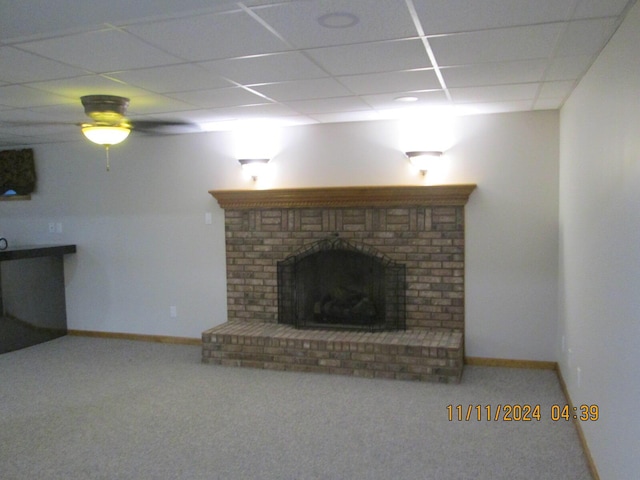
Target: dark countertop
(32,251)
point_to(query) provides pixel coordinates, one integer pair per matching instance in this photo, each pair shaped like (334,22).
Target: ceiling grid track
(277,34)
(427,46)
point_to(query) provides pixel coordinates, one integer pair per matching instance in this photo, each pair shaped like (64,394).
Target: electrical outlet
(52,227)
(207,218)
(173,311)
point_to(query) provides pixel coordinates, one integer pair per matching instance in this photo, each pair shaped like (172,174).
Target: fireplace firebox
(341,285)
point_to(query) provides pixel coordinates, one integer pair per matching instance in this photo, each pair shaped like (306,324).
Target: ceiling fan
(110,126)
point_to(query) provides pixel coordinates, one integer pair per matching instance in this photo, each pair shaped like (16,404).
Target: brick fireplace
(421,228)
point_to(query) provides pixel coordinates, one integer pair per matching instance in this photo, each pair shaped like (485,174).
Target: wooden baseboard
(583,440)
(503,362)
(138,337)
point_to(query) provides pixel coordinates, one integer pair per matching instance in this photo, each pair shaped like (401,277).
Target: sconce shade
(254,167)
(422,159)
(105,134)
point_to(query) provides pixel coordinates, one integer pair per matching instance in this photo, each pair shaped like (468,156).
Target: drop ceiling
(217,63)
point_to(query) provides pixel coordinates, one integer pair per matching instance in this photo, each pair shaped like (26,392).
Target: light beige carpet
(86,408)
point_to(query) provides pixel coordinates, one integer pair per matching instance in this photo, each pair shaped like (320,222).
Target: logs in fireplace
(342,285)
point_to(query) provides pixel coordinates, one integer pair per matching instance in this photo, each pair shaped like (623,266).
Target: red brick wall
(428,240)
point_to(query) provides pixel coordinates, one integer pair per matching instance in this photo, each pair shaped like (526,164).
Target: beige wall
(600,250)
(143,245)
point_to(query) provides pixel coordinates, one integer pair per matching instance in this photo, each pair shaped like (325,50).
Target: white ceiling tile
(208,37)
(172,78)
(101,51)
(34,17)
(452,16)
(329,105)
(213,124)
(514,55)
(202,116)
(415,80)
(494,93)
(70,112)
(17,66)
(356,116)
(586,37)
(263,110)
(560,89)
(494,73)
(76,87)
(278,67)
(254,3)
(156,104)
(303,89)
(502,45)
(600,8)
(24,97)
(253,112)
(219,98)
(424,99)
(548,103)
(567,68)
(372,57)
(298,22)
(18,116)
(493,107)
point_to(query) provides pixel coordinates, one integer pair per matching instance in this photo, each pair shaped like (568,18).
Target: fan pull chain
(106,148)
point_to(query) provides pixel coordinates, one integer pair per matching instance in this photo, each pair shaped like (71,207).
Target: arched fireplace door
(340,285)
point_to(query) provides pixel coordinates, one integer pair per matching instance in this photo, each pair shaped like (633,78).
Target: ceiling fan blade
(44,123)
(110,111)
(164,127)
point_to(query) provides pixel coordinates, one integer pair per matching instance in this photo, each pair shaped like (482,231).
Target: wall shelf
(13,198)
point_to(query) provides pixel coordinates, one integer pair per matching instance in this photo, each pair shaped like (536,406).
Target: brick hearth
(422,227)
(408,355)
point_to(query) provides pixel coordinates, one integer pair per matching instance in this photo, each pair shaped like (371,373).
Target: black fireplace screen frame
(337,284)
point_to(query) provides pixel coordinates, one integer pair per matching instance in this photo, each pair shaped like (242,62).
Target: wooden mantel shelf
(340,197)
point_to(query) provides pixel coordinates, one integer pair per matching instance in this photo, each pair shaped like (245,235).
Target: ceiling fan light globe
(105,135)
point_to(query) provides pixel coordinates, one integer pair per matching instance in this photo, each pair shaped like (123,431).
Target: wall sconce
(423,160)
(254,167)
